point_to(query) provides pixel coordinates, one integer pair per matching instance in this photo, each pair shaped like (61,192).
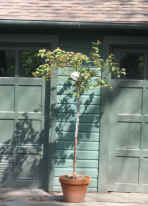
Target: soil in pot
(74,188)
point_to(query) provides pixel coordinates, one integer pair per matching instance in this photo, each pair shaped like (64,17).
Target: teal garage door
(23,153)
(21,128)
(24,113)
(124,139)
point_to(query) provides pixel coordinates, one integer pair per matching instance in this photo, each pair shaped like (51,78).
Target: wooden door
(22,114)
(21,128)
(26,151)
(124,148)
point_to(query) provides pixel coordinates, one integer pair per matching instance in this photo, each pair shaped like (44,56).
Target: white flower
(75,75)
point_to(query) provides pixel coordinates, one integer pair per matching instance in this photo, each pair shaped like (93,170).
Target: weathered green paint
(21,126)
(91,109)
(85,100)
(52,132)
(88,146)
(84,136)
(67,91)
(88,155)
(84,127)
(80,163)
(85,118)
(128,139)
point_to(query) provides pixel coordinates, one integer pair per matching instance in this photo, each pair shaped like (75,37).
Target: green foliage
(29,60)
(85,69)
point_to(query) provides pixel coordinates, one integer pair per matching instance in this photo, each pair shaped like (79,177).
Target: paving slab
(37,197)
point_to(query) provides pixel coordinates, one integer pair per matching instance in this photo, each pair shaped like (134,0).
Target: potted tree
(82,70)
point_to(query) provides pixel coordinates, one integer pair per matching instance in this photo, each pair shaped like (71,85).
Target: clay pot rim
(71,181)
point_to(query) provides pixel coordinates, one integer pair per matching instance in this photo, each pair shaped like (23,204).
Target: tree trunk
(76,137)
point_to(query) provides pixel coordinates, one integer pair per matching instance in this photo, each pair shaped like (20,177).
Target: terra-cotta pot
(74,188)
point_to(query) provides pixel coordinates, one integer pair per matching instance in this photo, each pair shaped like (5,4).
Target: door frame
(105,107)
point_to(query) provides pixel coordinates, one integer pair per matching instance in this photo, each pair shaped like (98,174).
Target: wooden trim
(52,125)
(103,122)
(75,24)
(52,132)
(30,38)
(104,131)
(125,40)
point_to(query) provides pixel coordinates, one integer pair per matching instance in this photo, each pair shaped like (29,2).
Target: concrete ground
(36,197)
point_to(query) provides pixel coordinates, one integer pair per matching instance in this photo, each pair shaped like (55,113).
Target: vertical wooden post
(52,131)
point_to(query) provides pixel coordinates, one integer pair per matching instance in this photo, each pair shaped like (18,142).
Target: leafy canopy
(84,70)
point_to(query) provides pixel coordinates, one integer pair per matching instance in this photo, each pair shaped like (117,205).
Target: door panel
(144,141)
(6,98)
(121,174)
(28,98)
(131,103)
(144,171)
(145,99)
(127,135)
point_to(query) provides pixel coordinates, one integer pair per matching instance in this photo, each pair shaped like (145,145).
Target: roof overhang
(77,25)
